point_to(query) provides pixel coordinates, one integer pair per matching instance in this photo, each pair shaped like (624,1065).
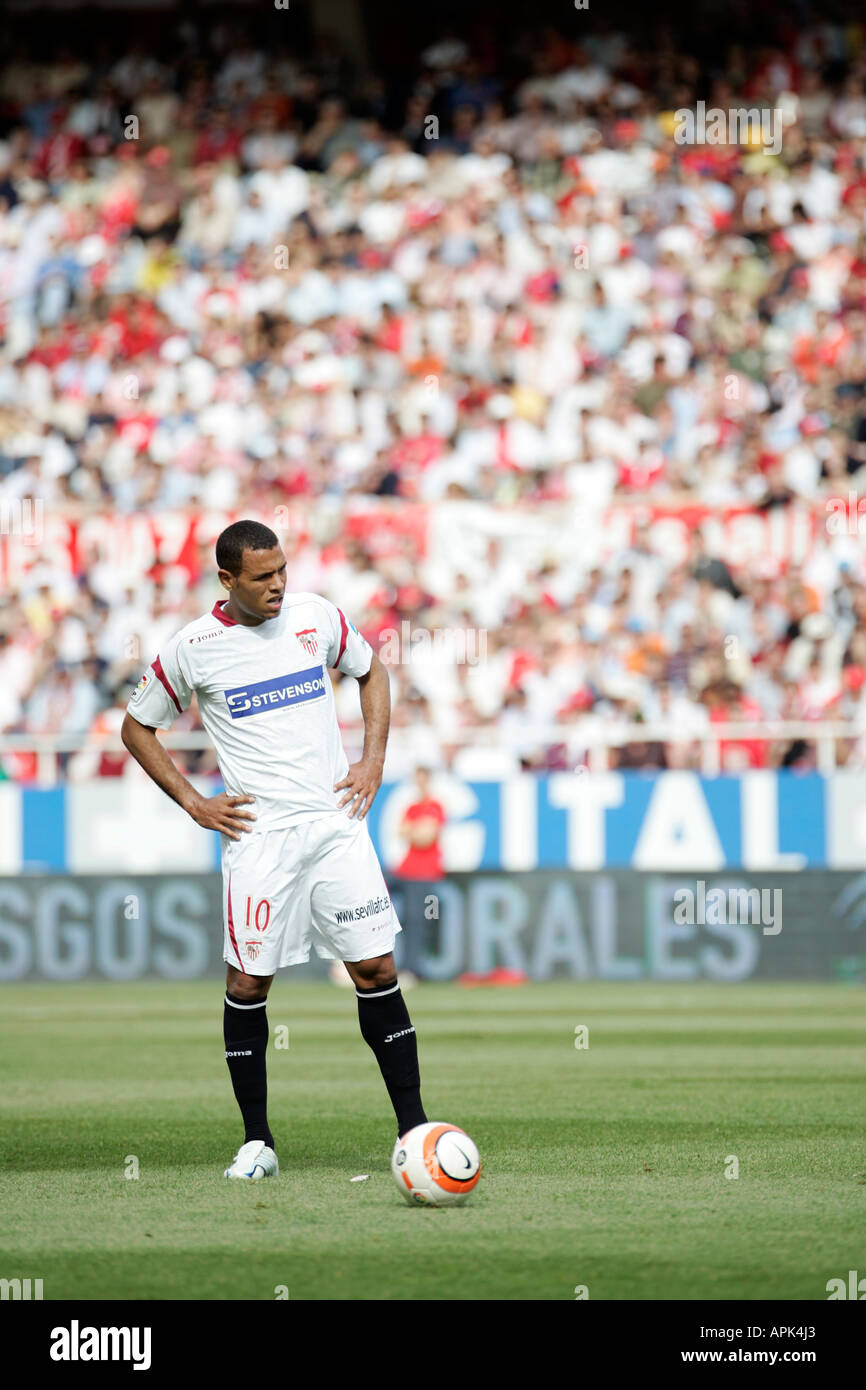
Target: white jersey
(266,702)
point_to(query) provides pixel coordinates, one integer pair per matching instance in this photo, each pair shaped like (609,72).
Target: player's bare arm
(364,778)
(220,813)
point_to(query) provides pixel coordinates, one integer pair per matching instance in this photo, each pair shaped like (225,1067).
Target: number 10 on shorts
(262,914)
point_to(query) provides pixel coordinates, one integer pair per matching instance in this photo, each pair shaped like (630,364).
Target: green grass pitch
(604,1166)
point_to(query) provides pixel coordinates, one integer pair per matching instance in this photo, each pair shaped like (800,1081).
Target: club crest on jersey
(297,688)
(253,948)
(309,640)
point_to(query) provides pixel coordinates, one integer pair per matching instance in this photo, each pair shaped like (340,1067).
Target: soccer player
(298,863)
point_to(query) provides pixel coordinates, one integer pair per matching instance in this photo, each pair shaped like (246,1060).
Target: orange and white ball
(436,1165)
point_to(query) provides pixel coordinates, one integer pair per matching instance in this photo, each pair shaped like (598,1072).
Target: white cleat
(255,1161)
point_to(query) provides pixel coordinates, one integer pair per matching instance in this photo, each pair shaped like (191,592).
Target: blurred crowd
(236,279)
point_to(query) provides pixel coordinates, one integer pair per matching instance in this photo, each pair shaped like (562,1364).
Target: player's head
(252,566)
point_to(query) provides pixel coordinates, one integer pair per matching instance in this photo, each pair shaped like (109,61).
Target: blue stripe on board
(803,816)
(624,823)
(43,829)
(552,829)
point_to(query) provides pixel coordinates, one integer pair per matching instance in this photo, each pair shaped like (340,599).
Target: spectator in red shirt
(422,828)
(217,141)
(729,705)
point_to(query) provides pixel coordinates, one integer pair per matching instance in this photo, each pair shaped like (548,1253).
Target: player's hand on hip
(221,813)
(363,780)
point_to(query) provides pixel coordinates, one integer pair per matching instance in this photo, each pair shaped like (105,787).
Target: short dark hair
(241,536)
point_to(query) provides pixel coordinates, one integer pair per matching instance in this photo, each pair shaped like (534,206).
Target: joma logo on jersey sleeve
(294,689)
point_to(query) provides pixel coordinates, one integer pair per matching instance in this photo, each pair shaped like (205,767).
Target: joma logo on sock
(401,1034)
(76,1343)
(248,1053)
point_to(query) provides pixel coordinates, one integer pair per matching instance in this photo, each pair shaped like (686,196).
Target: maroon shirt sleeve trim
(344,634)
(163,678)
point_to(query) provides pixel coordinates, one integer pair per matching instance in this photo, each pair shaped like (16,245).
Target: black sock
(245,1029)
(387,1029)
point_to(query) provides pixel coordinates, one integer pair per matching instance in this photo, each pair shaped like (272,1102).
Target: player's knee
(248,989)
(379,973)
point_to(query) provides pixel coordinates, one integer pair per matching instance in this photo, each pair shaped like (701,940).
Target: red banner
(134,545)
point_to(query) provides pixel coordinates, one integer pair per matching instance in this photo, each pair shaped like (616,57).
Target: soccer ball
(435,1165)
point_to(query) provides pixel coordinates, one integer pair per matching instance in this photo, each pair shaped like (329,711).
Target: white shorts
(319,883)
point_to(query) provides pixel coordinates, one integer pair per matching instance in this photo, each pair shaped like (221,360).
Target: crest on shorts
(309,640)
(253,948)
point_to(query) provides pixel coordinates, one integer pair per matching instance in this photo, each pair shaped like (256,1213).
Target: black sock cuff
(378,991)
(242,1004)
